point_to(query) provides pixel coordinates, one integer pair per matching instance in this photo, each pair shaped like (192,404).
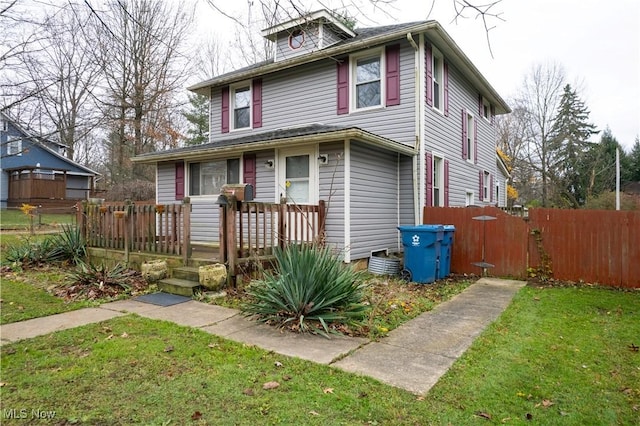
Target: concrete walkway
(413,357)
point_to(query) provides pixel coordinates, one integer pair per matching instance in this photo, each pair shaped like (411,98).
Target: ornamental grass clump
(309,289)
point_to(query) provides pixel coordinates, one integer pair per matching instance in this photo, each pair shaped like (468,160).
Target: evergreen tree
(570,144)
(198,118)
(634,162)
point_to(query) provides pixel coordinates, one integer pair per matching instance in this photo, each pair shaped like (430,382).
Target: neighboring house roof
(367,37)
(290,136)
(46,145)
(323,15)
(502,166)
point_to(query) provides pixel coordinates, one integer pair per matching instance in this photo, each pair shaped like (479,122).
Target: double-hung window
(470,142)
(14,147)
(438,80)
(438,181)
(368,82)
(241,97)
(486,195)
(207,178)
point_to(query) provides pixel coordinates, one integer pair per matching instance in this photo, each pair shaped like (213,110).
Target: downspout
(418,125)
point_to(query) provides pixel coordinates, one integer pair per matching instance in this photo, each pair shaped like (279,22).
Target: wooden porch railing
(160,228)
(249,231)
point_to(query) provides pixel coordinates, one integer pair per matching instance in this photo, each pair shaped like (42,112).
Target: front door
(297,182)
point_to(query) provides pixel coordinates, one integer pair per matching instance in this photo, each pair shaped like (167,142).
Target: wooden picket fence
(150,228)
(593,246)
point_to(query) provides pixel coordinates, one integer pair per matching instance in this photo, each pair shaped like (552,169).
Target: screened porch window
(207,178)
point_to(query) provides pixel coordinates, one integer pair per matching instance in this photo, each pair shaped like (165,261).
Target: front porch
(249,232)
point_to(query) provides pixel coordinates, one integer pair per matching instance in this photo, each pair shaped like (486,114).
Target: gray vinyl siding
(374,200)
(444,135)
(407,212)
(331,190)
(329,37)
(308,94)
(311,43)
(166,183)
(4,189)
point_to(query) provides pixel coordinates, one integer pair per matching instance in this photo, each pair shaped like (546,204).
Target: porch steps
(178,286)
(189,273)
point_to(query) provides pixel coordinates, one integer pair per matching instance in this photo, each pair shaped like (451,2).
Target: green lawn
(556,356)
(16,219)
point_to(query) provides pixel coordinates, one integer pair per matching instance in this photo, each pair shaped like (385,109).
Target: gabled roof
(365,38)
(299,135)
(46,144)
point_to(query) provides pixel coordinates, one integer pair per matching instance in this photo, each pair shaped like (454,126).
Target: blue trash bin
(421,251)
(445,251)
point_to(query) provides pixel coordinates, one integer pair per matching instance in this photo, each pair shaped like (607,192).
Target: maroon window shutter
(446,89)
(249,170)
(256,94)
(446,183)
(429,71)
(343,86)
(491,188)
(393,74)
(225,109)
(493,114)
(179,181)
(481,192)
(464,134)
(429,175)
(475,142)
(480,106)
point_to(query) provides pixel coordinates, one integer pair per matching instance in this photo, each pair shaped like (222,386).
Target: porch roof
(291,136)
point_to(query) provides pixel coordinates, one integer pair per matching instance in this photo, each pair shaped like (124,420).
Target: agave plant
(310,286)
(69,245)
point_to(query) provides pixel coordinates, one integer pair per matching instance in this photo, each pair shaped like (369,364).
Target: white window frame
(497,189)
(226,161)
(471,133)
(486,191)
(353,81)
(437,84)
(14,147)
(469,198)
(232,104)
(5,126)
(486,109)
(437,180)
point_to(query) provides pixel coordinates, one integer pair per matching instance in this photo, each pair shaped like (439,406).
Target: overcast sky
(596,41)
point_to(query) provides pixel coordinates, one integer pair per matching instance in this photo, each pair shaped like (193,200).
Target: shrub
(68,245)
(311,286)
(89,274)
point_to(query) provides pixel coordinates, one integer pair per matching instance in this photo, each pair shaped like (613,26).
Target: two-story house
(35,170)
(378,122)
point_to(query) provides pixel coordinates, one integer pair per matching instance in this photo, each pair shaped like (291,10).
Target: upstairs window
(296,39)
(368,83)
(207,178)
(241,107)
(485,190)
(468,137)
(14,147)
(438,81)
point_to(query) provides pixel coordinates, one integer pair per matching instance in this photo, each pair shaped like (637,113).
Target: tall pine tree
(634,162)
(198,118)
(570,143)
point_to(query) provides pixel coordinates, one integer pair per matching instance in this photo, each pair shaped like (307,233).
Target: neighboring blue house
(379,122)
(34,170)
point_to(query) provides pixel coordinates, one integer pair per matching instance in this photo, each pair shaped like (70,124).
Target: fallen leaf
(506,419)
(169,348)
(248,392)
(196,416)
(420,398)
(125,335)
(270,385)
(21,308)
(327,390)
(286,378)
(10,351)
(314,413)
(546,403)
(213,345)
(626,391)
(2,384)
(483,415)
(109,337)
(537,299)
(278,364)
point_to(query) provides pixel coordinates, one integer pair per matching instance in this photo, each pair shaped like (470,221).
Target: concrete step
(189,273)
(178,286)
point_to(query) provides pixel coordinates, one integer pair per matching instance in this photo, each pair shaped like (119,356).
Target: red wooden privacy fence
(589,245)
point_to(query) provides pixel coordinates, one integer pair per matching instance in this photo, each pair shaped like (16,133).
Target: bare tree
(140,45)
(538,99)
(63,73)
